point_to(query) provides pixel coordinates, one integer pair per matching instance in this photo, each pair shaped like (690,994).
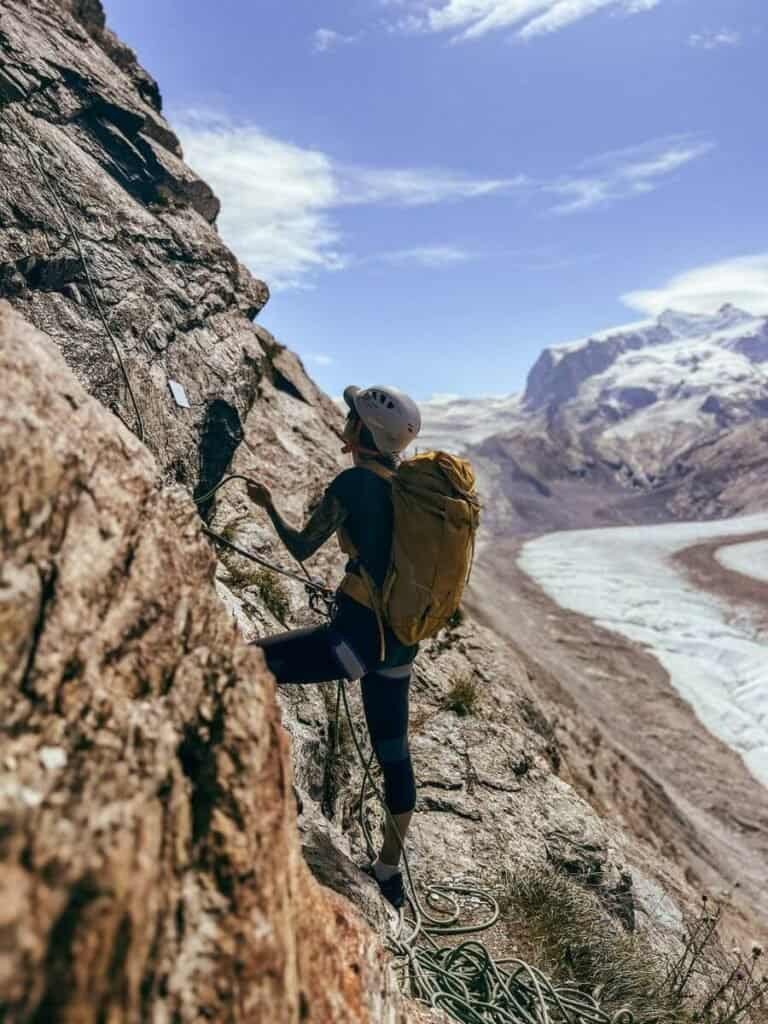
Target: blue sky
(435,190)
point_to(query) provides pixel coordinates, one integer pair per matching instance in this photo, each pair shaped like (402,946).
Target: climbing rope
(75,235)
(464,980)
(321,598)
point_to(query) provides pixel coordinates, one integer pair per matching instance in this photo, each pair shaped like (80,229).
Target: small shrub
(419,718)
(272,593)
(462,696)
(568,934)
(231,529)
(732,992)
(267,585)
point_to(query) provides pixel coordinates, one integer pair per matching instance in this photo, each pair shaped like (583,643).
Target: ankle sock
(384,871)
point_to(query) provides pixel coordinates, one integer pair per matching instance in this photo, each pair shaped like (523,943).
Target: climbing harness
(75,235)
(464,980)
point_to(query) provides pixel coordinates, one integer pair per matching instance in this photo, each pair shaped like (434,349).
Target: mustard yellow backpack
(436,515)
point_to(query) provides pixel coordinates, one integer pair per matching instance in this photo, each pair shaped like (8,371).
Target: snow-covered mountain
(453,424)
(659,419)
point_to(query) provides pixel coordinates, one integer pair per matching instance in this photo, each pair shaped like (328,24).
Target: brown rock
(89,162)
(149,862)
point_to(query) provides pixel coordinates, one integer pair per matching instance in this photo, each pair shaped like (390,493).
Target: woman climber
(357,643)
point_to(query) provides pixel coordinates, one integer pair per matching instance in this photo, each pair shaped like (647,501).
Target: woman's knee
(300,656)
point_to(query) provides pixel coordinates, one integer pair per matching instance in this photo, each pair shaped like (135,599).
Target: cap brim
(350,394)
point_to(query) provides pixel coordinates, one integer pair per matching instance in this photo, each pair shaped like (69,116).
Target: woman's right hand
(259,494)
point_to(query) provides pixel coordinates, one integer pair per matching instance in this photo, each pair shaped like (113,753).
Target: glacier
(714,653)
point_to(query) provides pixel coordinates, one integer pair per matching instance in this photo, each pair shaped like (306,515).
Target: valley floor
(707,636)
(658,653)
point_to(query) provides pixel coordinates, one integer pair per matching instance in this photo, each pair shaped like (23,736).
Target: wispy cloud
(470,19)
(625,173)
(714,40)
(742,281)
(275,197)
(317,358)
(325,39)
(279,199)
(430,256)
(416,187)
(281,202)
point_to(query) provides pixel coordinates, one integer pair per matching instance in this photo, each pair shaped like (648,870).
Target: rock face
(89,164)
(149,862)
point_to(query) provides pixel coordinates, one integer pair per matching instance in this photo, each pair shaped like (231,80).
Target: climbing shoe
(392,889)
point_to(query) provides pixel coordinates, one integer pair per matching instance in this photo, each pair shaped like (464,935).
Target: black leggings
(320,654)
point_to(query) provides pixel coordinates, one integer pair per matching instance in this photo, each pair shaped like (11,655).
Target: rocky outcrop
(90,14)
(149,862)
(91,169)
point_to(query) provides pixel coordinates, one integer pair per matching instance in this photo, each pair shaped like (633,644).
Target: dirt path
(702,568)
(652,763)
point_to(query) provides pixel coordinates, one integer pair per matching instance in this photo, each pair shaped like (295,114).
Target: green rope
(74,234)
(464,980)
(313,586)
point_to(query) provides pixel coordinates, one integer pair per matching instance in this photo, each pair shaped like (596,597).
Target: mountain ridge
(666,418)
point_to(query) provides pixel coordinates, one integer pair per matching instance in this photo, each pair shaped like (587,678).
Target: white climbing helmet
(392,417)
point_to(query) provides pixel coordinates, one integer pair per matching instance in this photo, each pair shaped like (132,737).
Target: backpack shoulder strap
(379,470)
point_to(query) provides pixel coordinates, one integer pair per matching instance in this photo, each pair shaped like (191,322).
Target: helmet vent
(391,416)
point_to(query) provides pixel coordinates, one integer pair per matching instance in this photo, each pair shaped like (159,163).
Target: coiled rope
(464,980)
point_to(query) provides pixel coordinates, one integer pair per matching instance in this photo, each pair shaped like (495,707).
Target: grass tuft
(463,694)
(272,593)
(568,934)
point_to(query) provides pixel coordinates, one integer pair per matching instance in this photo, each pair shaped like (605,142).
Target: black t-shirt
(369,522)
(367,499)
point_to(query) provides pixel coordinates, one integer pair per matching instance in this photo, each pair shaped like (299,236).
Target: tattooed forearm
(324,521)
